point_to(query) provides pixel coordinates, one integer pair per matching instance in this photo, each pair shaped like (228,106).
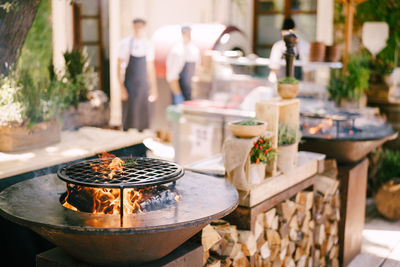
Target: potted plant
(28,111)
(86,106)
(387,198)
(288,140)
(348,90)
(288,87)
(247,128)
(261,155)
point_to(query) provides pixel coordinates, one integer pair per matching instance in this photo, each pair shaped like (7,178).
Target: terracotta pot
(247,131)
(256,173)
(317,51)
(333,53)
(18,138)
(288,90)
(287,157)
(388,79)
(387,200)
(354,103)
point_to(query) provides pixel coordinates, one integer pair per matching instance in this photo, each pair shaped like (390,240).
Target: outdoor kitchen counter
(83,143)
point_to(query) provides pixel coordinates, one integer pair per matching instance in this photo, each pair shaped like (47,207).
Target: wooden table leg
(353,189)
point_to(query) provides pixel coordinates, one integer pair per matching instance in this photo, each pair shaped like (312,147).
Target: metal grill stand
(142,172)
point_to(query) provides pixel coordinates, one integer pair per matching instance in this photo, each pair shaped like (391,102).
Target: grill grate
(144,172)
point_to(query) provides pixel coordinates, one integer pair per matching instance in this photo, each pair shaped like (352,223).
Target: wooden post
(348,31)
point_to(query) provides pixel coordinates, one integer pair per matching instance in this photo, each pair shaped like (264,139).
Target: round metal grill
(137,172)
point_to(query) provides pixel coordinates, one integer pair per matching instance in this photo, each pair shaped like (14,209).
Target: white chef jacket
(278,49)
(178,56)
(139,48)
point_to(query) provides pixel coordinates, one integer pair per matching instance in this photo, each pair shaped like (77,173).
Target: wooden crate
(307,166)
(277,110)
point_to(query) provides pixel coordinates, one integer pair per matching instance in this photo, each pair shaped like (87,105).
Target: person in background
(279,48)
(138,85)
(180,67)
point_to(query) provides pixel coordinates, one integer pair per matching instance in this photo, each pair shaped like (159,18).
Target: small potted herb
(288,87)
(348,90)
(288,140)
(261,155)
(247,128)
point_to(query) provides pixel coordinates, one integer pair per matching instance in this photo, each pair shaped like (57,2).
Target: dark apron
(135,111)
(298,71)
(185,79)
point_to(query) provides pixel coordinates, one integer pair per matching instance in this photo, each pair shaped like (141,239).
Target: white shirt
(178,56)
(278,49)
(139,48)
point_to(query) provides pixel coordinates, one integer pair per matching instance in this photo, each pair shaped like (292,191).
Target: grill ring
(146,172)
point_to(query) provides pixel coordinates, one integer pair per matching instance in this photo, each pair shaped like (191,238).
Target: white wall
(61,18)
(325,11)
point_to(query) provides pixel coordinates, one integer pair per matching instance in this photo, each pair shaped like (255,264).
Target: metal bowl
(100,239)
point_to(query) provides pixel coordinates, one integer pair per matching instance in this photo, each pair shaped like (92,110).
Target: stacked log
(299,232)
(326,217)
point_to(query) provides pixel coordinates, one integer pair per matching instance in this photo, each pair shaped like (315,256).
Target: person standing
(181,65)
(137,77)
(279,48)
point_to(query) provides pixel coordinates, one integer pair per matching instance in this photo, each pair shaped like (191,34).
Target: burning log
(107,201)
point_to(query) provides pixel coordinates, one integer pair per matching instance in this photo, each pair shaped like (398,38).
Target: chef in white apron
(181,65)
(278,49)
(137,77)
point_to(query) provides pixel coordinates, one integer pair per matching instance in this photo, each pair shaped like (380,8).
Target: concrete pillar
(325,10)
(61,11)
(115,93)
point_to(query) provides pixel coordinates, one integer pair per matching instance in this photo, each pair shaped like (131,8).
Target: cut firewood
(265,251)
(216,249)
(293,223)
(273,238)
(299,253)
(286,209)
(302,262)
(206,255)
(317,256)
(269,217)
(259,226)
(319,234)
(277,262)
(284,242)
(327,186)
(284,229)
(240,260)
(228,232)
(294,235)
(282,254)
(291,248)
(335,262)
(226,262)
(289,262)
(231,250)
(333,254)
(248,241)
(209,237)
(213,262)
(266,263)
(305,199)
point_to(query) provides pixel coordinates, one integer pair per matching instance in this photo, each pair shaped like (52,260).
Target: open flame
(107,200)
(323,126)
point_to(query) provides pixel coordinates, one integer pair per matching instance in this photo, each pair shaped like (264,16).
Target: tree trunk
(14,26)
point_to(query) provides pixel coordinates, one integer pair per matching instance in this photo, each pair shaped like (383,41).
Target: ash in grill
(106,184)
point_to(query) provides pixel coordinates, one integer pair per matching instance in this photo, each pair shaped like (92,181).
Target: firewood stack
(299,232)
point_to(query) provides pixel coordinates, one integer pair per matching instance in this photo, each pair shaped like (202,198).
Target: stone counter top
(85,142)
